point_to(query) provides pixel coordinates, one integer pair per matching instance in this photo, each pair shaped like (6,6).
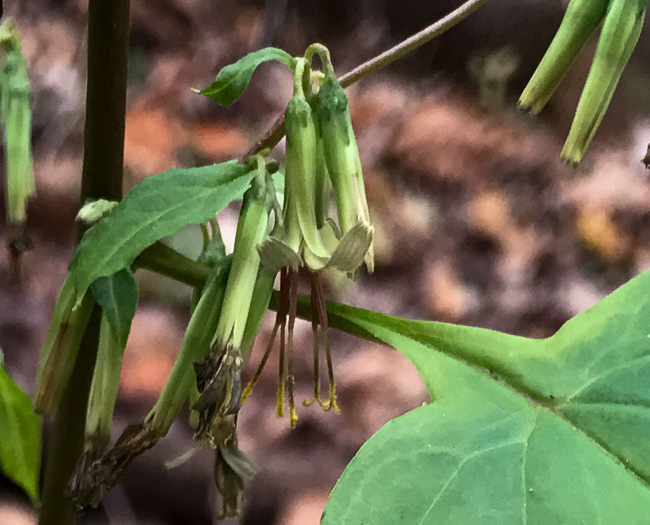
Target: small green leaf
(117,294)
(553,430)
(232,80)
(20,437)
(156,208)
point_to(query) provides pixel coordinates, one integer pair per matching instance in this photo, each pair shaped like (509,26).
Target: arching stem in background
(108,40)
(275,134)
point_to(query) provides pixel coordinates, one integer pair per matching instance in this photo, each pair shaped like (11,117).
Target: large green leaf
(232,80)
(156,208)
(20,437)
(521,431)
(117,295)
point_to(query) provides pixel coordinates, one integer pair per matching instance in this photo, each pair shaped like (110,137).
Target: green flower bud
(60,348)
(619,36)
(251,231)
(580,21)
(94,211)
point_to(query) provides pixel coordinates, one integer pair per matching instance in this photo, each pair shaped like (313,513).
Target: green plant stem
(166,261)
(108,23)
(276,132)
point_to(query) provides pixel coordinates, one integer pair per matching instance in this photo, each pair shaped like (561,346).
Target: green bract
(232,80)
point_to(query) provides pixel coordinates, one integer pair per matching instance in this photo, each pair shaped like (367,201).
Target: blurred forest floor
(477,222)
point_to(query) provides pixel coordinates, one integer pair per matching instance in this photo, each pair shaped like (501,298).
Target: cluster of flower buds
(622,22)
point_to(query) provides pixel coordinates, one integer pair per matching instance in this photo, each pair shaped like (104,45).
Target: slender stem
(108,22)
(412,43)
(276,132)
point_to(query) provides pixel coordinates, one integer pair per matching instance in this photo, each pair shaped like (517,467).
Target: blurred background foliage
(477,221)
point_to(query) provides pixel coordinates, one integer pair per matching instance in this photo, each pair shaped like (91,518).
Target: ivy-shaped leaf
(117,295)
(520,431)
(232,80)
(20,437)
(155,208)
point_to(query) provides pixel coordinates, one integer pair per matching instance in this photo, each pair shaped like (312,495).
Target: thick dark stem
(101,178)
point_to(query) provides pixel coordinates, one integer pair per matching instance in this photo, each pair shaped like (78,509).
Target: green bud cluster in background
(15,118)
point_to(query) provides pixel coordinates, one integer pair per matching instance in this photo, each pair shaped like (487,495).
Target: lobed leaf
(232,80)
(156,208)
(521,431)
(20,437)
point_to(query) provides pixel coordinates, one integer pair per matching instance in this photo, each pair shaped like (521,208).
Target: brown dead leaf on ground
(218,141)
(445,294)
(451,139)
(596,229)
(153,136)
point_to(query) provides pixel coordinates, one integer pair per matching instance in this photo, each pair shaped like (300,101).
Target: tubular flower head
(623,21)
(316,241)
(342,160)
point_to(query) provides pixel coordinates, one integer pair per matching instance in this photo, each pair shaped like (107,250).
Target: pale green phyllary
(622,22)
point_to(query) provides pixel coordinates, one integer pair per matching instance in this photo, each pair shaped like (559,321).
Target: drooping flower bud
(118,297)
(302,173)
